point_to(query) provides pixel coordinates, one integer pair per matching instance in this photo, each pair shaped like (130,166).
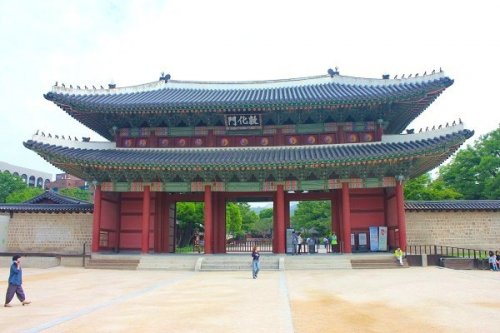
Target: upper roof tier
(396,101)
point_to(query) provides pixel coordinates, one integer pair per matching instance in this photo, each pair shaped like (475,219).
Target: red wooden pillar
(400,208)
(96,224)
(146,215)
(346,218)
(209,226)
(279,230)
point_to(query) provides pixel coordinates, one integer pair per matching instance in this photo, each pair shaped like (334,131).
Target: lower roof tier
(404,155)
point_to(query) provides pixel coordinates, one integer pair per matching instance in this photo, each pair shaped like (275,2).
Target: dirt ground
(392,300)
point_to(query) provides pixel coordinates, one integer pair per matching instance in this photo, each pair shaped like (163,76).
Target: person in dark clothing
(255,261)
(15,283)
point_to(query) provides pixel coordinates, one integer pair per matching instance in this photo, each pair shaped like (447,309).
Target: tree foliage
(313,217)
(475,171)
(248,216)
(234,220)
(8,184)
(424,188)
(189,216)
(264,225)
(77,193)
(23,195)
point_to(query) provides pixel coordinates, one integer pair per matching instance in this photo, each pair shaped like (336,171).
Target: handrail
(448,251)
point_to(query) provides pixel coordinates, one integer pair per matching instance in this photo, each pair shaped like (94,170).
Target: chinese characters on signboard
(243,121)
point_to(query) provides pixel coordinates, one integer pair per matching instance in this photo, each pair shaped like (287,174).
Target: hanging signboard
(243,121)
(382,238)
(373,238)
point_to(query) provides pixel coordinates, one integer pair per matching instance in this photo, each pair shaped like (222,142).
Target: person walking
(15,283)
(255,261)
(333,242)
(295,242)
(399,255)
(492,260)
(326,243)
(299,241)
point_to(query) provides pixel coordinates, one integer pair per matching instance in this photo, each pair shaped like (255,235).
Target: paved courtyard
(427,299)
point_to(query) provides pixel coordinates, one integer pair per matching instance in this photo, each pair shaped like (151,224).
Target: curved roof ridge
(255,84)
(103,145)
(390,138)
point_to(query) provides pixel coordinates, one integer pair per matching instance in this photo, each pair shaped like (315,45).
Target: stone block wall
(479,230)
(49,233)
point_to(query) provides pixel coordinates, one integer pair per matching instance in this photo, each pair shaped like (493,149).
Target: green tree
(8,184)
(475,171)
(248,216)
(234,220)
(313,217)
(424,188)
(77,193)
(264,225)
(24,194)
(189,216)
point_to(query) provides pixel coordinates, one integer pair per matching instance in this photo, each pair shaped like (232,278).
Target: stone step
(237,263)
(317,262)
(169,262)
(125,264)
(377,263)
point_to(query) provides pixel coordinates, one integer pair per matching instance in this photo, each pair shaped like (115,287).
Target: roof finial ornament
(425,73)
(409,76)
(403,76)
(164,77)
(416,75)
(427,129)
(56,84)
(93,87)
(78,87)
(440,70)
(37,132)
(433,71)
(454,123)
(43,134)
(395,76)
(433,127)
(102,87)
(420,130)
(440,126)
(86,87)
(447,125)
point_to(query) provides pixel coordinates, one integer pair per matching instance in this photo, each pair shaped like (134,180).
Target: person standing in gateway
(255,261)
(15,283)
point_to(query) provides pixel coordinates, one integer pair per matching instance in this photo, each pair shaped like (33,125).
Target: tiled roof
(47,208)
(56,198)
(49,202)
(434,149)
(454,205)
(103,109)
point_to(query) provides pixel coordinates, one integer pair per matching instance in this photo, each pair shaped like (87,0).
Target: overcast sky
(132,42)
